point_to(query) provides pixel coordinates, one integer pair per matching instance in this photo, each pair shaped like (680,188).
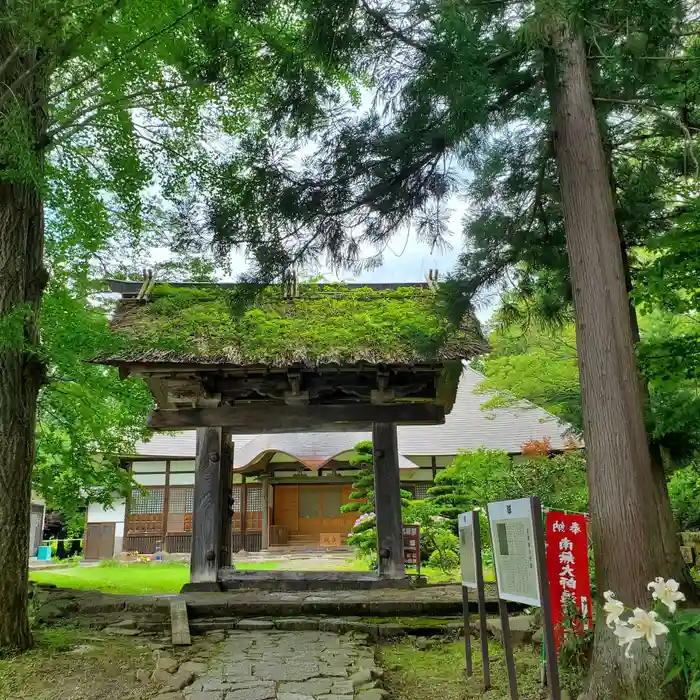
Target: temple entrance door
(319,510)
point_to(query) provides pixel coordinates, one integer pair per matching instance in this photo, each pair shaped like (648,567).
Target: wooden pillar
(244,511)
(387,494)
(265,513)
(207,512)
(226,536)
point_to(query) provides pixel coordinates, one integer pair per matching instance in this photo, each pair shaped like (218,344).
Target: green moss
(438,673)
(335,324)
(414,623)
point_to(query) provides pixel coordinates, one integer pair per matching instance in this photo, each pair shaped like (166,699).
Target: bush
(684,491)
(446,560)
(364,531)
(433,527)
(447,541)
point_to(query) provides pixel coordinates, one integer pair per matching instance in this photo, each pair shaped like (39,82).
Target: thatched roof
(323,324)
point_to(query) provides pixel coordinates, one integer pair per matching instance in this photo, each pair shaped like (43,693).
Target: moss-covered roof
(322,325)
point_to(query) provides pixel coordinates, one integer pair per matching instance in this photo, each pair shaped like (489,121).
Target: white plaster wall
(426,461)
(96,513)
(182,479)
(138,466)
(182,465)
(150,479)
(416,475)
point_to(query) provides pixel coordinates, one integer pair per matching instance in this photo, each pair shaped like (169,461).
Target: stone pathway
(277,665)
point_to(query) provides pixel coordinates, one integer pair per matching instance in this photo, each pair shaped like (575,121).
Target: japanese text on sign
(567,568)
(411,545)
(513,537)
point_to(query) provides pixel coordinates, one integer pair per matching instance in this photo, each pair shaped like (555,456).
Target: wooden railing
(143,544)
(179,544)
(253,542)
(182,543)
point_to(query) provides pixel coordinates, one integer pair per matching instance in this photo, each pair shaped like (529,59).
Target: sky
(405,260)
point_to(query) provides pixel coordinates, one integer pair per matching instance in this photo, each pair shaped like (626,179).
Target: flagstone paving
(277,665)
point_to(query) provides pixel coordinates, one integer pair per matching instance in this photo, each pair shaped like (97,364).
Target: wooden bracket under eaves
(149,282)
(290,285)
(432,279)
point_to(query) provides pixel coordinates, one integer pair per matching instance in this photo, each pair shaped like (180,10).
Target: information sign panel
(514,551)
(467,552)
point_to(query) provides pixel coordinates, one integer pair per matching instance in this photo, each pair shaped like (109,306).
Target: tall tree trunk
(664,512)
(631,538)
(22,281)
(666,521)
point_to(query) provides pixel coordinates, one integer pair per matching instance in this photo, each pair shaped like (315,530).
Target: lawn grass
(169,577)
(142,578)
(106,672)
(438,672)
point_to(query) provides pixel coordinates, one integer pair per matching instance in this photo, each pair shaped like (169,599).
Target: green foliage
(449,499)
(575,651)
(87,414)
(12,328)
(436,532)
(337,324)
(477,477)
(684,652)
(466,483)
(684,491)
(513,369)
(362,494)
(446,560)
(666,352)
(364,532)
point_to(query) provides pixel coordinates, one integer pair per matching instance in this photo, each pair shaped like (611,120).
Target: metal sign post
(550,646)
(467,631)
(519,556)
(473,577)
(508,649)
(481,594)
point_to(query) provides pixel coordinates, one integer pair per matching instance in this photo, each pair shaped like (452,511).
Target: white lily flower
(667,592)
(626,636)
(647,625)
(613,608)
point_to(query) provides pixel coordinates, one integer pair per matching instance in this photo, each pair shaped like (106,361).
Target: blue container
(44,554)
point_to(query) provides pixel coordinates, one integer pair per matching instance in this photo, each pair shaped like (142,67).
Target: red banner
(567,569)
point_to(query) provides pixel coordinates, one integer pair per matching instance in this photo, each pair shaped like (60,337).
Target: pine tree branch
(524,85)
(677,59)
(629,103)
(380,18)
(11,57)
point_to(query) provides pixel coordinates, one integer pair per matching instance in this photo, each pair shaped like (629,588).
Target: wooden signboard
(411,546)
(331,539)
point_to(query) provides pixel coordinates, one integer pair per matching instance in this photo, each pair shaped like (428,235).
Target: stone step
(276,580)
